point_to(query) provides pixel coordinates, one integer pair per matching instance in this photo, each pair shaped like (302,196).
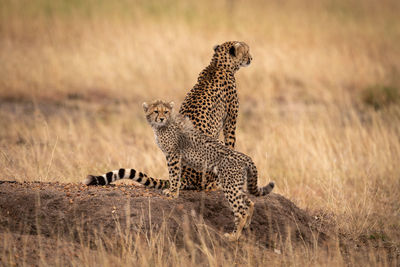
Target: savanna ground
(319,114)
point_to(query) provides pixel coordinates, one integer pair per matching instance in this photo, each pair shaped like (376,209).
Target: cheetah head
(158,113)
(232,55)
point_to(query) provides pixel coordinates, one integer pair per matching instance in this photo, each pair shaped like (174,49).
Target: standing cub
(183,144)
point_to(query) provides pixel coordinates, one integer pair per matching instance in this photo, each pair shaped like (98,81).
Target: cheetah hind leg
(250,212)
(244,223)
(235,235)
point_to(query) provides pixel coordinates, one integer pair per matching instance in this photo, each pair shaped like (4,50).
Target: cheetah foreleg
(230,126)
(174,169)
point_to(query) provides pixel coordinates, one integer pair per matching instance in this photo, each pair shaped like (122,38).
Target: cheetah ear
(232,51)
(171,104)
(234,48)
(215,47)
(145,106)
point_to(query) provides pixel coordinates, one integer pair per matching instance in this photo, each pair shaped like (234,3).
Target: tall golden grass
(73,75)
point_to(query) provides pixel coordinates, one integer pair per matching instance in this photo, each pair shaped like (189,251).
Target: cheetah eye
(166,112)
(156,111)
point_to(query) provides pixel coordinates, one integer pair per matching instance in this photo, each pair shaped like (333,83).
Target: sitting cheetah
(212,105)
(183,144)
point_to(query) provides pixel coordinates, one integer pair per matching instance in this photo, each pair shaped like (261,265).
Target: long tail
(252,177)
(132,174)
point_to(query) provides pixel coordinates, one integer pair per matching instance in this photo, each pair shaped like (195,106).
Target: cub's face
(158,113)
(232,54)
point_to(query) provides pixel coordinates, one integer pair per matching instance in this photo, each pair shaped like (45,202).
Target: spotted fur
(211,105)
(183,144)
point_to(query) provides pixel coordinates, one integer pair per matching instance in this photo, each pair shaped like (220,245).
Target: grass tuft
(380,96)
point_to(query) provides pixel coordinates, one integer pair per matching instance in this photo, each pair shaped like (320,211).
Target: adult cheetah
(211,105)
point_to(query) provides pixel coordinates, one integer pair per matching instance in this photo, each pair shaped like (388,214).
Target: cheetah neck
(229,66)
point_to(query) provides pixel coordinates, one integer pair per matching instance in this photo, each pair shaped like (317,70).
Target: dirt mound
(56,209)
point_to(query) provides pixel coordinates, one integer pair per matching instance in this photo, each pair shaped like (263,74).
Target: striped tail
(126,173)
(265,190)
(252,178)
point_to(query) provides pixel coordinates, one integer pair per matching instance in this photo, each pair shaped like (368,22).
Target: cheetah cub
(183,144)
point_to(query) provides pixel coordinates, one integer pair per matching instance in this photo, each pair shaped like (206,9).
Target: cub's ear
(145,106)
(233,51)
(215,47)
(171,104)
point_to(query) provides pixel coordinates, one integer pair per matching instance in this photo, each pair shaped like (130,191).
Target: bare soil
(76,213)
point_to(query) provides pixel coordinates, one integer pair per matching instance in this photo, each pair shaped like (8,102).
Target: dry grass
(73,75)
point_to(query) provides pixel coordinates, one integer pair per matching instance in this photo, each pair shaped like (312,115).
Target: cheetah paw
(171,194)
(231,236)
(211,189)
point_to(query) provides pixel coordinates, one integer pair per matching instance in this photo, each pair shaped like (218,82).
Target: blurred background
(305,51)
(319,105)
